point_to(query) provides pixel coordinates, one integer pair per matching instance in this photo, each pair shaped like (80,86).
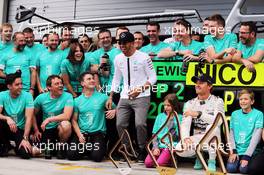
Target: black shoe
(142,154)
(61,154)
(3,151)
(47,154)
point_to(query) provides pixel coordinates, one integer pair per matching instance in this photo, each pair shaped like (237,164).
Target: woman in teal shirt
(71,68)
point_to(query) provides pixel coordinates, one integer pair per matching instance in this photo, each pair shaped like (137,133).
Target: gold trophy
(122,148)
(161,169)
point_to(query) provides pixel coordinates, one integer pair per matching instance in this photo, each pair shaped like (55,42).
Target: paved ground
(39,166)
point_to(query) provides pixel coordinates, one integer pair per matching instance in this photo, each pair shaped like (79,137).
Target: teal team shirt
(74,71)
(160,120)
(53,106)
(65,51)
(12,61)
(96,59)
(194,46)
(49,63)
(243,126)
(16,107)
(154,49)
(5,47)
(88,55)
(228,41)
(91,112)
(248,51)
(35,50)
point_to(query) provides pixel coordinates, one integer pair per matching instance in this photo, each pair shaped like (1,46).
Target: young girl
(160,150)
(245,133)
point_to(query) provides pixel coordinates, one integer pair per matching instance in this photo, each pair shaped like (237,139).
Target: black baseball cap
(126,37)
(203,78)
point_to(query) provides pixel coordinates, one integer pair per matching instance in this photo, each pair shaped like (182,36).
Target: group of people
(75,95)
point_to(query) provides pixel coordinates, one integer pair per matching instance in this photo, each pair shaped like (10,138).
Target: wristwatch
(25,138)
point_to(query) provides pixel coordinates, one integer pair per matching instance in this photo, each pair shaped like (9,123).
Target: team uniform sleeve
(208,42)
(1,100)
(152,77)
(260,45)
(2,62)
(69,101)
(29,101)
(76,104)
(233,41)
(37,101)
(117,77)
(63,67)
(32,60)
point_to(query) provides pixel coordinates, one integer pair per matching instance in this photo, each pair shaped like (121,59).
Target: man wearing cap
(136,70)
(201,111)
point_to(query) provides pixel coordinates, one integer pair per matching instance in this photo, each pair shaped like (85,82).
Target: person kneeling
(16,112)
(56,106)
(89,122)
(245,133)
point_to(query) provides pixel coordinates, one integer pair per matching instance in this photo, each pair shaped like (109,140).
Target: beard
(245,41)
(20,48)
(30,44)
(53,47)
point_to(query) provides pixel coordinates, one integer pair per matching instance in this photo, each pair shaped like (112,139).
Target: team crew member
(5,45)
(250,49)
(245,133)
(185,46)
(16,112)
(155,45)
(220,46)
(139,40)
(104,66)
(72,67)
(89,121)
(136,70)
(56,106)
(6,37)
(49,62)
(66,37)
(44,40)
(86,43)
(201,111)
(32,47)
(17,59)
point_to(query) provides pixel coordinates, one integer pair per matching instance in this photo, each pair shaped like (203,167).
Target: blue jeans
(236,167)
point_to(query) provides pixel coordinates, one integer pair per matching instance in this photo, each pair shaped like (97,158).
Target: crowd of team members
(71,82)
